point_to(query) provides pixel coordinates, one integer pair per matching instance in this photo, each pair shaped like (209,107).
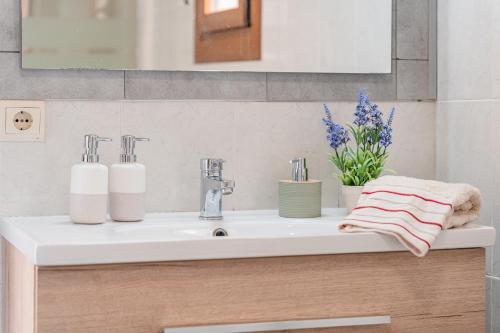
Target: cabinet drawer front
(443,292)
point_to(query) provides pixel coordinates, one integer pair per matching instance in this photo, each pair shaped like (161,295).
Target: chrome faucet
(213,187)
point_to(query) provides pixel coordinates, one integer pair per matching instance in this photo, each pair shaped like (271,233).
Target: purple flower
(385,138)
(362,113)
(337,135)
(376,116)
(391,116)
(367,113)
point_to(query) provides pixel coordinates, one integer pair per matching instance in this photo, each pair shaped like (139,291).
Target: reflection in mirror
(320,36)
(216,6)
(230,35)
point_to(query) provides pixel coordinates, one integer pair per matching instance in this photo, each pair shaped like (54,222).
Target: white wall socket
(22,120)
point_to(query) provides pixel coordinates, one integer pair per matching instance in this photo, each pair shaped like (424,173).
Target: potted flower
(364,160)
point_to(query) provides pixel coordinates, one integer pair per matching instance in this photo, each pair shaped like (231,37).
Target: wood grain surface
(19,276)
(443,292)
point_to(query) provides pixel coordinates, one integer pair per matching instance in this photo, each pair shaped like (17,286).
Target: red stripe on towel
(410,195)
(399,225)
(400,211)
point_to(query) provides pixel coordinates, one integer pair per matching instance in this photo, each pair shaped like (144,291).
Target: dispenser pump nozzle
(128,146)
(299,169)
(90,145)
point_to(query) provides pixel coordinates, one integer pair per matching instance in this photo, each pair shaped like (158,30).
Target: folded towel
(413,210)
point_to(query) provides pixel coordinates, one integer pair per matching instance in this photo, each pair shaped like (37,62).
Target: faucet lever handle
(227,187)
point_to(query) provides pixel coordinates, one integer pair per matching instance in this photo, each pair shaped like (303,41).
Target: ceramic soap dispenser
(299,197)
(89,185)
(127,184)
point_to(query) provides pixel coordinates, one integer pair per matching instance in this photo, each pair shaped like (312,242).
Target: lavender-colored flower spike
(367,113)
(327,112)
(376,116)
(391,116)
(385,138)
(362,113)
(337,135)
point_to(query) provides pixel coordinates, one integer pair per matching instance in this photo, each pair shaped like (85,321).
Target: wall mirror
(318,36)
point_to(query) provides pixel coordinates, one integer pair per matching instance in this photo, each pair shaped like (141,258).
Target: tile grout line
(267,93)
(124,87)
(405,59)
(396,32)
(489,307)
(396,50)
(444,101)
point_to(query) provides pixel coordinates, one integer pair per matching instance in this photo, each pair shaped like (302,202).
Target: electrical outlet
(22,120)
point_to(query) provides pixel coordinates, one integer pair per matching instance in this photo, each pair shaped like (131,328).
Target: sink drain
(219,232)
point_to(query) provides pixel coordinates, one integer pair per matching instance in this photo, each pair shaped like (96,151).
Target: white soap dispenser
(127,184)
(89,185)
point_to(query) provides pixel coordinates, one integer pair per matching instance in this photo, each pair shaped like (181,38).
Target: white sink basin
(50,241)
(264,224)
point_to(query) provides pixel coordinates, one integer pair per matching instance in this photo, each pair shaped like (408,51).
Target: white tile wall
(468,110)
(256,138)
(465,149)
(495,304)
(464,49)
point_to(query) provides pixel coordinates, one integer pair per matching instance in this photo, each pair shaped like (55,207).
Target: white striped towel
(413,210)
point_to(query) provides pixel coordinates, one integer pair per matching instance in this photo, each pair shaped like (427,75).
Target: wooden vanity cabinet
(441,293)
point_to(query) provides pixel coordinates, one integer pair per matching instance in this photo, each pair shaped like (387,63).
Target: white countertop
(55,241)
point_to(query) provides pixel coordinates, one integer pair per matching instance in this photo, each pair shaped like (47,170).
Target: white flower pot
(350,196)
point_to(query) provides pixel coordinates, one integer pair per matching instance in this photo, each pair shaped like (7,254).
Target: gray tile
(195,85)
(10,32)
(413,80)
(333,87)
(433,47)
(16,83)
(412,29)
(495,305)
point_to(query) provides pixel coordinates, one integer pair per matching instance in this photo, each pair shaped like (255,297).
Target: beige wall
(256,138)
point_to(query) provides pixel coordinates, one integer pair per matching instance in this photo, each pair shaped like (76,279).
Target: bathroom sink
(235,224)
(53,241)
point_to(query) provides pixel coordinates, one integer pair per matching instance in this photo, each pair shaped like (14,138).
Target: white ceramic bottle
(89,185)
(127,184)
